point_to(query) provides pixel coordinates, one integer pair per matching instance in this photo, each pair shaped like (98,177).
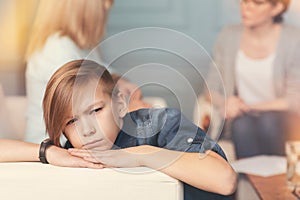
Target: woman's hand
(235,107)
(61,157)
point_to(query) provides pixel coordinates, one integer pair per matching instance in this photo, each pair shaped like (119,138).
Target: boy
(83,103)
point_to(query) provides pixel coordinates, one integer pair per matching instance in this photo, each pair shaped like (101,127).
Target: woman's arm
(277,105)
(235,106)
(209,172)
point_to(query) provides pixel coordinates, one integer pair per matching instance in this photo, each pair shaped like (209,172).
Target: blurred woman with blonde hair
(81,21)
(63,30)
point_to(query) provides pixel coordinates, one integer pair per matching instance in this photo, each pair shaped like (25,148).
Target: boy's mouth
(93,144)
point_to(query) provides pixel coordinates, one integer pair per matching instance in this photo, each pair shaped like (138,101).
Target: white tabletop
(33,180)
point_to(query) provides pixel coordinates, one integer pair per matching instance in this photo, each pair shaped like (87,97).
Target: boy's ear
(121,105)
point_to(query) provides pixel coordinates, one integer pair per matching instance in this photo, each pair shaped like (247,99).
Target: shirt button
(190,140)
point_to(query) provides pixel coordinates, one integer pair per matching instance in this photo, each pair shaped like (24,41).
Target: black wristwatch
(43,147)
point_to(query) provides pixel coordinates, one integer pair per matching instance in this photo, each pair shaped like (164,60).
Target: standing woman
(259,62)
(64,30)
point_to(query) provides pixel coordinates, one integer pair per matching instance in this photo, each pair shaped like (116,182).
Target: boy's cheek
(74,138)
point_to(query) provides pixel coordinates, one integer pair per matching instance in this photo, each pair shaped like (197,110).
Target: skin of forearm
(276,105)
(18,151)
(209,172)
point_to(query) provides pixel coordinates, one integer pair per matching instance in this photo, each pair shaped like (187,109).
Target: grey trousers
(259,133)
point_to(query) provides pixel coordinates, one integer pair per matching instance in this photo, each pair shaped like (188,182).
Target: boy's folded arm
(209,172)
(18,151)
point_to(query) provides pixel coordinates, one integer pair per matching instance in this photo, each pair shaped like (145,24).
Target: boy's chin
(99,148)
(100,145)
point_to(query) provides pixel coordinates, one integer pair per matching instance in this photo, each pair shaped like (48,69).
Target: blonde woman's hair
(81,20)
(57,101)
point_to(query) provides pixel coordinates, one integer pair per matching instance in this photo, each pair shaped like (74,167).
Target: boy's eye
(96,110)
(71,121)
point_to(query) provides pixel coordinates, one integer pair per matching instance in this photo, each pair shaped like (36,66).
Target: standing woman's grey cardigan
(286,64)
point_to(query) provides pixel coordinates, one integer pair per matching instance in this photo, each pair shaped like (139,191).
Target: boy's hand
(60,157)
(144,155)
(109,158)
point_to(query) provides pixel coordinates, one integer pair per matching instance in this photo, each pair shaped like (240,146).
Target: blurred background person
(258,60)
(63,30)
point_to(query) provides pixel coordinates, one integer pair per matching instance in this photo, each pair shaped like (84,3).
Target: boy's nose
(89,132)
(87,127)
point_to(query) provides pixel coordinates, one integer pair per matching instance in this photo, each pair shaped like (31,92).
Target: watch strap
(42,152)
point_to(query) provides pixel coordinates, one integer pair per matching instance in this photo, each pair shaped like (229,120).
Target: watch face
(46,141)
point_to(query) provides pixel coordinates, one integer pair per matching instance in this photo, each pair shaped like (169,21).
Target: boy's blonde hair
(81,20)
(59,92)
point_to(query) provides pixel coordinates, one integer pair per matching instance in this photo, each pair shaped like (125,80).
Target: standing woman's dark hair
(279,18)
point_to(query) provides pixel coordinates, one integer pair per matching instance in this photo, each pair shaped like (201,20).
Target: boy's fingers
(92,165)
(91,159)
(80,154)
(95,166)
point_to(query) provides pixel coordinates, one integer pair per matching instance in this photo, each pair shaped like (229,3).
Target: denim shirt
(168,128)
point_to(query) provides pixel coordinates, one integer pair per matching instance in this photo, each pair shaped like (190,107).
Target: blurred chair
(12,116)
(202,118)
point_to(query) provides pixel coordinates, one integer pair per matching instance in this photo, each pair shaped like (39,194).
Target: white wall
(200,19)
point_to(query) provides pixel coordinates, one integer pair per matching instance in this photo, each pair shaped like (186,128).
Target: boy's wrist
(145,149)
(145,154)
(141,153)
(52,152)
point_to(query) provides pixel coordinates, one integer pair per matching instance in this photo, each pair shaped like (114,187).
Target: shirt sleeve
(180,134)
(292,76)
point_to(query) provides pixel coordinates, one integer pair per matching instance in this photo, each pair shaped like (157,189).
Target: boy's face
(94,121)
